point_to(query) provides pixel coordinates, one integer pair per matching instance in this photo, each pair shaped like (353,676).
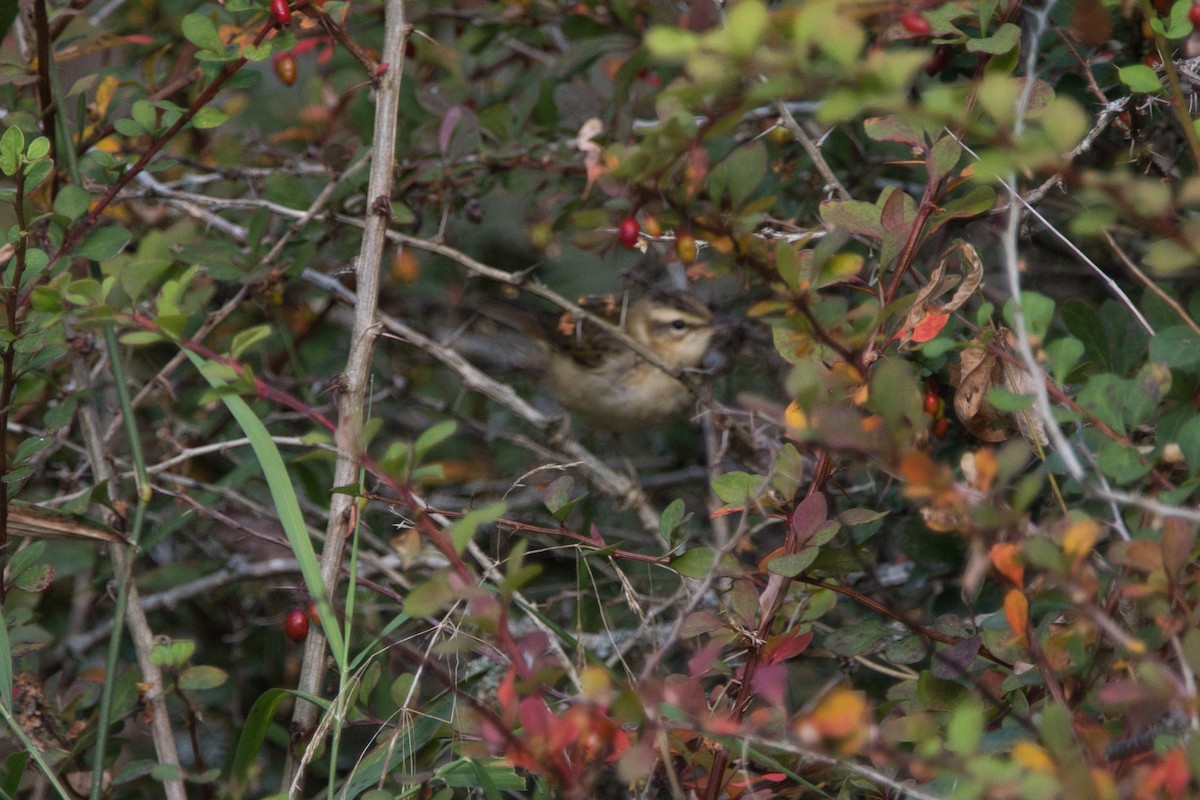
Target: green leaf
(735,488)
(1039,312)
(853,517)
(209,117)
(1062,356)
(257,52)
(145,115)
(400,690)
(1166,256)
(247,339)
(490,775)
(1006,37)
(965,729)
(432,437)
(943,157)
(202,677)
(1102,397)
(854,215)
(901,129)
(1009,402)
(696,563)
(12,150)
(463,529)
(254,733)
(61,414)
(200,31)
(104,243)
(672,518)
(429,598)
(172,653)
(745,25)
(1178,25)
(1140,78)
(855,640)
(740,174)
(1188,439)
(557,498)
(36,172)
(136,338)
(38,148)
(1121,463)
(136,276)
(28,558)
(72,202)
(1085,325)
(31,445)
(671,44)
(792,564)
(128,128)
(1177,347)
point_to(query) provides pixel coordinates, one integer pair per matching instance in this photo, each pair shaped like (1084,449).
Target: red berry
(1153,61)
(1194,15)
(915,24)
(296,625)
(628,232)
(941,427)
(281,11)
(313,615)
(932,403)
(285,68)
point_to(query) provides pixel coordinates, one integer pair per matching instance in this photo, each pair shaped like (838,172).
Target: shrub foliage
(282,513)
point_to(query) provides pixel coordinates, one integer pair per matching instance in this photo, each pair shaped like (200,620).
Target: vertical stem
(9,356)
(358,363)
(45,64)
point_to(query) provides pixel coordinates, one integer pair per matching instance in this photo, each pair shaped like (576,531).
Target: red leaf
(506,695)
(807,519)
(781,648)
(535,717)
(770,683)
(929,326)
(1175,772)
(705,657)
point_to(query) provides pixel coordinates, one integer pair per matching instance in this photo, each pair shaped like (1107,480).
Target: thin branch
(814,152)
(1151,285)
(357,374)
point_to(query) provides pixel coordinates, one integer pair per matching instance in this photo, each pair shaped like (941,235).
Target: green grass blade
(284,496)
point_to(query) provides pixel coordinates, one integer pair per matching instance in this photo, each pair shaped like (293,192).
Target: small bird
(605,383)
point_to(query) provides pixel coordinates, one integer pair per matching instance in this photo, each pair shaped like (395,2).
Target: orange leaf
(1032,757)
(1006,558)
(794,418)
(1079,539)
(985,466)
(929,326)
(1016,611)
(841,713)
(1174,773)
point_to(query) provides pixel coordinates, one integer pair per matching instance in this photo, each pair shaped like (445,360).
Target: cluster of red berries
(629,232)
(936,409)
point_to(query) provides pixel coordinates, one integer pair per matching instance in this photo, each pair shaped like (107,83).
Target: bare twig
(362,347)
(135,616)
(1151,285)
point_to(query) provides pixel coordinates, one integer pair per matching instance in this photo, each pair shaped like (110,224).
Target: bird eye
(678,324)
